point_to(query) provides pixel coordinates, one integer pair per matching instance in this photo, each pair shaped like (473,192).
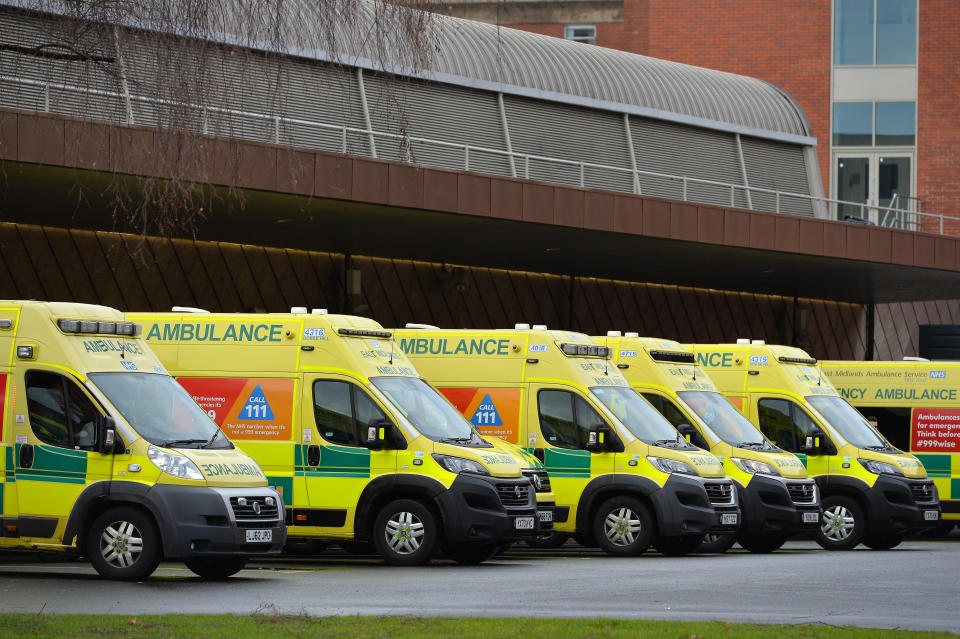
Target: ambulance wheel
(548,540)
(123,543)
(405,533)
(473,555)
(842,524)
(678,546)
(762,543)
(215,569)
(623,527)
(882,542)
(716,543)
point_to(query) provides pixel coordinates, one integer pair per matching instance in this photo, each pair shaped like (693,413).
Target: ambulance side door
(55,454)
(337,466)
(787,424)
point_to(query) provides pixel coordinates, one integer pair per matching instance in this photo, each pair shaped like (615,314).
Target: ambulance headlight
(665,465)
(755,467)
(459,465)
(173,464)
(879,467)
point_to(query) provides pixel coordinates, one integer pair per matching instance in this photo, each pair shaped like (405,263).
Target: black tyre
(842,523)
(548,540)
(623,526)
(678,546)
(714,543)
(762,543)
(214,569)
(405,533)
(123,543)
(473,555)
(882,542)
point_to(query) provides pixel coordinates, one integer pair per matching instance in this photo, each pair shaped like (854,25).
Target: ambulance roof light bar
(757,342)
(521,326)
(298,310)
(677,357)
(539,327)
(92,327)
(424,326)
(188,309)
(906,358)
(797,360)
(585,350)
(358,332)
(743,340)
(631,334)
(320,311)
(613,333)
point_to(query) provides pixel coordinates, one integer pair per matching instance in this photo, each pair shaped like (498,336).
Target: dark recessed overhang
(678,243)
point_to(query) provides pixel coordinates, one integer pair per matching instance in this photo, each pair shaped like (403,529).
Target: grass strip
(302,627)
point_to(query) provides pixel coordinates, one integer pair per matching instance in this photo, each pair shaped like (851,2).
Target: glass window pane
(83,417)
(774,418)
(853,180)
(853,32)
(47,408)
(367,410)
(852,124)
(331,405)
(896,123)
(556,418)
(896,31)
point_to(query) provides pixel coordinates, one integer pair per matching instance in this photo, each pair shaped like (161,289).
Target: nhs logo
(938,374)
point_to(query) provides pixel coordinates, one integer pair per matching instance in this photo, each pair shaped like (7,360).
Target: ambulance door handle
(539,454)
(26,456)
(313,455)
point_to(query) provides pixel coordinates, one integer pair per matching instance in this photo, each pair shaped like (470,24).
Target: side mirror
(812,444)
(597,437)
(379,434)
(106,434)
(687,431)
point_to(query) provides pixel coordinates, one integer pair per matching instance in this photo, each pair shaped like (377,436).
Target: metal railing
(361,141)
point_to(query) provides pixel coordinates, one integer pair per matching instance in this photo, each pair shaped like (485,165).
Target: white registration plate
(545,515)
(523,523)
(931,515)
(811,518)
(728,519)
(259,536)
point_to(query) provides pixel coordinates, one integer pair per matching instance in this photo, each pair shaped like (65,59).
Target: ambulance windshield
(427,410)
(639,416)
(849,423)
(160,410)
(726,421)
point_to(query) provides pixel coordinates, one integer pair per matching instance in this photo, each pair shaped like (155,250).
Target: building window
(585,33)
(874,124)
(867,32)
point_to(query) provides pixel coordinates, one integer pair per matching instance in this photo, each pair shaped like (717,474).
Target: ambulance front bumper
(480,511)
(776,505)
(211,522)
(688,505)
(899,505)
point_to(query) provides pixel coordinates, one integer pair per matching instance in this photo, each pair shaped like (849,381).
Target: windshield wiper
(174,442)
(212,437)
(444,440)
(666,443)
(751,445)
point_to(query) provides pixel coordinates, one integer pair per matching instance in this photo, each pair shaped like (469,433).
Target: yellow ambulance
(622,475)
(105,455)
(777,498)
(915,405)
(870,491)
(360,448)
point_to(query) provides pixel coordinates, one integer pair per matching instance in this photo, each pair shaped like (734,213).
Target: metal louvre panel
(674,149)
(573,134)
(30,30)
(778,167)
(440,112)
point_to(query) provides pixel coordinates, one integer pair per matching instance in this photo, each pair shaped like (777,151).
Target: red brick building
(877,78)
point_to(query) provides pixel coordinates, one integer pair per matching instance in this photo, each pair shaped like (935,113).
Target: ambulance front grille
(513,494)
(923,492)
(254,509)
(719,493)
(802,493)
(544,479)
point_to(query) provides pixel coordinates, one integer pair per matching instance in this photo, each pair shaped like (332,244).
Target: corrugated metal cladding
(778,167)
(243,94)
(129,272)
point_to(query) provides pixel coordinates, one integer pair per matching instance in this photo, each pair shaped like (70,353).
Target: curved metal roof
(364,33)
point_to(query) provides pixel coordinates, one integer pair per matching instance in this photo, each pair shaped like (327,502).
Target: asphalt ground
(915,586)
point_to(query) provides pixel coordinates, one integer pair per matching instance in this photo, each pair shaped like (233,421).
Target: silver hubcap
(837,523)
(711,538)
(404,533)
(622,527)
(121,544)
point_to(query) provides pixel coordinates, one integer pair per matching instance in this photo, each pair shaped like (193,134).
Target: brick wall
(938,115)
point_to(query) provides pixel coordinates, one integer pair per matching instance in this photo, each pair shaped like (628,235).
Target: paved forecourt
(914,586)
